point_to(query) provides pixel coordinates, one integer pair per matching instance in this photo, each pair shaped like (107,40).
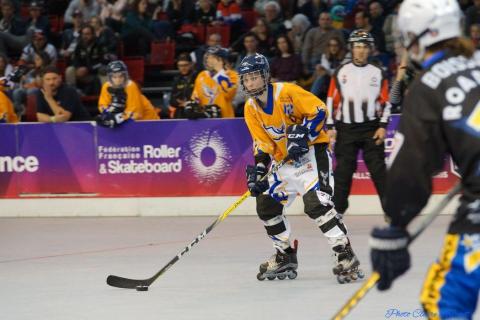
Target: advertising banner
(174,158)
(62,157)
(148,159)
(10,164)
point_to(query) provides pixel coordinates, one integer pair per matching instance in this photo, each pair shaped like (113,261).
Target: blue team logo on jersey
(276,133)
(288,109)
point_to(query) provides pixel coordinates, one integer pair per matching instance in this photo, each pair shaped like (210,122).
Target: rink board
(171,158)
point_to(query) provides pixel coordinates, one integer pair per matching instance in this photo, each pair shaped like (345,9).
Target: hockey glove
(193,111)
(110,118)
(297,141)
(213,111)
(254,175)
(389,254)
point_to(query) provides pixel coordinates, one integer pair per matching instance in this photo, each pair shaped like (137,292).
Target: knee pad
(331,225)
(267,207)
(317,203)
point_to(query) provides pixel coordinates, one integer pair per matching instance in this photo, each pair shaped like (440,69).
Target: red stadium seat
(162,54)
(197,29)
(250,17)
(31,109)
(61,66)
(224,31)
(136,68)
(54,24)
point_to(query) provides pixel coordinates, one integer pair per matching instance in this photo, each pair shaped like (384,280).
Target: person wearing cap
(71,36)
(37,20)
(89,9)
(358,114)
(217,85)
(39,43)
(183,85)
(57,102)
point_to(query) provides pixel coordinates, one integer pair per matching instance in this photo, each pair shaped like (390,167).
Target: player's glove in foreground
(389,254)
(254,174)
(297,141)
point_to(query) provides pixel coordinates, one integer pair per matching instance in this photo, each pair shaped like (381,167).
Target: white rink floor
(55,268)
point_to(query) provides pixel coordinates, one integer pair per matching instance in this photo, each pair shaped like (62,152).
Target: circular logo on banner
(208,156)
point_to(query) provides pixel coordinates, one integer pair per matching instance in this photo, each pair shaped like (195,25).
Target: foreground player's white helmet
(427,22)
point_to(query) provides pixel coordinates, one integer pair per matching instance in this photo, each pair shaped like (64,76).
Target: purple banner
(63,157)
(173,158)
(9,162)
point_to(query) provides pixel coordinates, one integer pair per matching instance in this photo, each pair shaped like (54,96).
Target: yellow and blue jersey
(137,107)
(287,104)
(219,89)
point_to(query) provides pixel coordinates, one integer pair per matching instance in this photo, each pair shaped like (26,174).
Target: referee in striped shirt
(359,111)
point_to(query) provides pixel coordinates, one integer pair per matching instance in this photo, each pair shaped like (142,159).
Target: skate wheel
(347,279)
(260,277)
(340,280)
(271,278)
(354,276)
(292,275)
(281,277)
(361,275)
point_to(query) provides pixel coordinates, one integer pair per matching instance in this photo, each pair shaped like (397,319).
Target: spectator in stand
(259,6)
(228,12)
(273,17)
(89,9)
(217,85)
(57,102)
(265,39)
(105,36)
(287,65)
(137,31)
(472,15)
(71,36)
(250,47)
(376,11)
(5,66)
(37,19)
(88,61)
(316,41)
(330,60)
(121,98)
(180,12)
(300,27)
(206,12)
(337,14)
(30,83)
(7,112)
(312,9)
(182,87)
(475,34)
(39,44)
(13,36)
(213,40)
(363,21)
(390,30)
(111,14)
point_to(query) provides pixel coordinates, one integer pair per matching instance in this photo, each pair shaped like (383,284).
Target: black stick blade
(125,283)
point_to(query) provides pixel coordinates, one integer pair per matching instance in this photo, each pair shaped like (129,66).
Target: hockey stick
(143,284)
(373,279)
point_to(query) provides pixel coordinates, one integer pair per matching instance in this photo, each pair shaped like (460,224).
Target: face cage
(125,73)
(257,92)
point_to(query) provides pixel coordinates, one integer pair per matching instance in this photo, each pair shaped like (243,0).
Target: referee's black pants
(351,138)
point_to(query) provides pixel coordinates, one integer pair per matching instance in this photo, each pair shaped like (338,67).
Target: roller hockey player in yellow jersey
(215,87)
(285,120)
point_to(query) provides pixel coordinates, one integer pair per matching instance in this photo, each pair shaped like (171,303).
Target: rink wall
(168,167)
